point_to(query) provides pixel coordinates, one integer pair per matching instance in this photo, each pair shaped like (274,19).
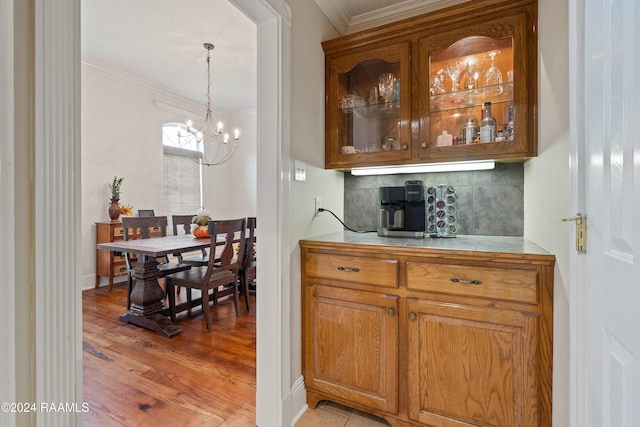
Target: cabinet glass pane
(463,77)
(369,108)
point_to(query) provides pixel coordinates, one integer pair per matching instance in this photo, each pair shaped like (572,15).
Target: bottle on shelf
(487,125)
(510,127)
(444,140)
(470,131)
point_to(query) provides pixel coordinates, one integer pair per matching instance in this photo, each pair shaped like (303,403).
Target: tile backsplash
(489,202)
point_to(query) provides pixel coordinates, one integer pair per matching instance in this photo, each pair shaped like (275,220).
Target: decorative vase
(201,231)
(114,209)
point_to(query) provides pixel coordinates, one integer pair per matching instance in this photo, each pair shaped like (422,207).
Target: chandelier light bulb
(236,134)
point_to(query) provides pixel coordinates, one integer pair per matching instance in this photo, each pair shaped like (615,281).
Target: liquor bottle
(487,125)
(510,127)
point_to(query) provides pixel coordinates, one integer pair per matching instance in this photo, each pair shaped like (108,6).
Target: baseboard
(89,281)
(297,402)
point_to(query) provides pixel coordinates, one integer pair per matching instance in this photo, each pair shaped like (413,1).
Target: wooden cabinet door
(362,128)
(351,346)
(471,366)
(443,108)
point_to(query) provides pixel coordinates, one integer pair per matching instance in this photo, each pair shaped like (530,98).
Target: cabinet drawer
(369,271)
(118,233)
(119,270)
(486,282)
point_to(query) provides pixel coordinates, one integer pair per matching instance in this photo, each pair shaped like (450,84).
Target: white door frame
(56,96)
(274,396)
(576,260)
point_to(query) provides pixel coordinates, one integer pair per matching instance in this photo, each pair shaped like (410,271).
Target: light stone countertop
(503,244)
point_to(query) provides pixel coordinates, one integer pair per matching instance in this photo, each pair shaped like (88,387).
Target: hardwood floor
(133,376)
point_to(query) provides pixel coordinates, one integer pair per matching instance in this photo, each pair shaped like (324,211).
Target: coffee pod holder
(442,211)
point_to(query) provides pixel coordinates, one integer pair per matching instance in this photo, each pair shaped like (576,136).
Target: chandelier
(213,146)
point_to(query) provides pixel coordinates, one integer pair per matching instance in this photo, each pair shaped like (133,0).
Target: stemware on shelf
(474,71)
(386,82)
(493,75)
(454,70)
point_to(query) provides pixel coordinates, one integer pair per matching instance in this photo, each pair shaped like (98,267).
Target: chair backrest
(250,258)
(145,224)
(232,230)
(181,222)
(145,213)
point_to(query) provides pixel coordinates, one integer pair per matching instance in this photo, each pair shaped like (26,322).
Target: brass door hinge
(581,231)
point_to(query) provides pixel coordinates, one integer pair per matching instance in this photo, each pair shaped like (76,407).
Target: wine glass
(454,70)
(385,86)
(474,70)
(437,86)
(493,75)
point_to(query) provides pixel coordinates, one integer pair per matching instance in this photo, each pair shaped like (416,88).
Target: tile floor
(329,414)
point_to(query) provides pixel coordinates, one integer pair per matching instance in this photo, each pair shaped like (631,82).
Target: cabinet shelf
(375,111)
(470,98)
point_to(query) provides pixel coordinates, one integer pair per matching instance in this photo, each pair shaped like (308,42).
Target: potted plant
(114,206)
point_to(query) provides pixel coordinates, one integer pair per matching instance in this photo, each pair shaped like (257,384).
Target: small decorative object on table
(200,223)
(114,206)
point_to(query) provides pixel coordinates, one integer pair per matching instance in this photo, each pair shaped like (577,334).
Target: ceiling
(161,42)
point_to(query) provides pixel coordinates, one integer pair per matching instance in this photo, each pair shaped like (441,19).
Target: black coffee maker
(402,210)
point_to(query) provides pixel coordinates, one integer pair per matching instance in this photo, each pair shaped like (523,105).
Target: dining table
(147,306)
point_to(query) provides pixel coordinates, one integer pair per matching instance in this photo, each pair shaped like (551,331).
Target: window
(182,173)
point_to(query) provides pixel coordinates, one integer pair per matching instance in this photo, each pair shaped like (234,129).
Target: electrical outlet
(318,206)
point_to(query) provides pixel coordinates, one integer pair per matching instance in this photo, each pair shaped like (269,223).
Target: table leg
(146,300)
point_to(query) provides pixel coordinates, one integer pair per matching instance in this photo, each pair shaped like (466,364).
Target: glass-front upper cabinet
(368,107)
(476,92)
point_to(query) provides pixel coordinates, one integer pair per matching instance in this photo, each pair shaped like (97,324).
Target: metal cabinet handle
(391,312)
(424,144)
(412,316)
(466,282)
(349,269)
(405,146)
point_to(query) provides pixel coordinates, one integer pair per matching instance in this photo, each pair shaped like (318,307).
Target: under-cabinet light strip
(431,167)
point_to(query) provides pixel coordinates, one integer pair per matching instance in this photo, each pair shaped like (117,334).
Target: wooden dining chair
(182,225)
(248,270)
(216,275)
(144,228)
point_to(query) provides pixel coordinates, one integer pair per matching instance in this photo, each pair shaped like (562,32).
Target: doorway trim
(577,344)
(273,316)
(57,23)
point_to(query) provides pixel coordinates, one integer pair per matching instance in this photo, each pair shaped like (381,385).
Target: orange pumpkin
(201,231)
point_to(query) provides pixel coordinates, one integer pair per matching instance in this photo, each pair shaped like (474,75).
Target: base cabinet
(353,346)
(470,365)
(453,339)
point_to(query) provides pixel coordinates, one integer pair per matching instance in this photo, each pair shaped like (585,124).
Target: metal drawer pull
(391,312)
(466,282)
(412,316)
(349,269)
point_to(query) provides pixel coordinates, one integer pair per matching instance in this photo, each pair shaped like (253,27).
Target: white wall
(309,28)
(122,118)
(547,183)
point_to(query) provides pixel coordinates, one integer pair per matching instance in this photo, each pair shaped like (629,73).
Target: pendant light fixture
(213,145)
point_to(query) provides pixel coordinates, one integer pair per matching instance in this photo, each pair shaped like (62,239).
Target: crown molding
(338,14)
(397,12)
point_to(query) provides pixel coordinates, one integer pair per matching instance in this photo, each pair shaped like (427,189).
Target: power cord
(345,225)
